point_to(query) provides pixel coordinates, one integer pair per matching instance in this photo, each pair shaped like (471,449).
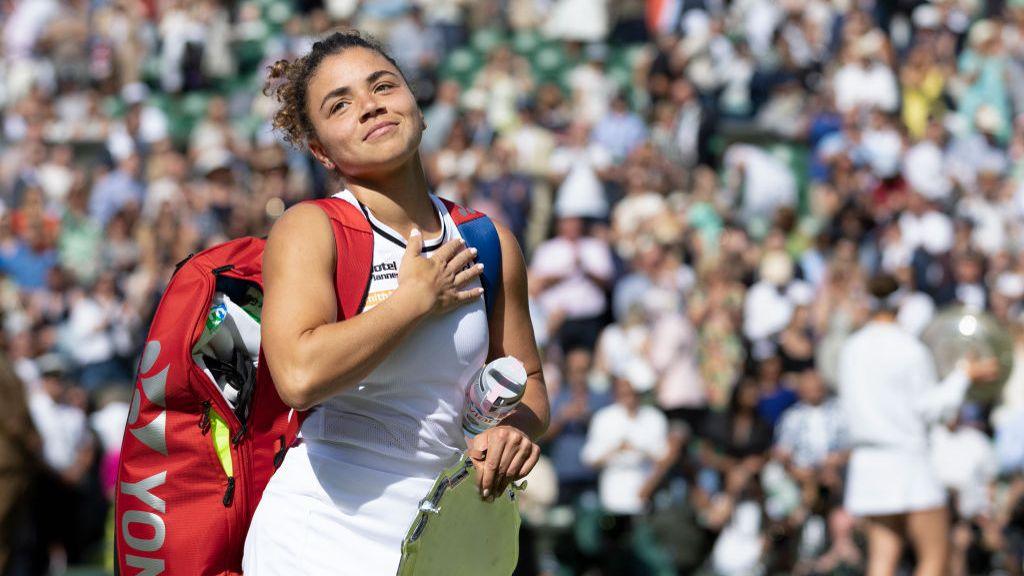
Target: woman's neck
(399,199)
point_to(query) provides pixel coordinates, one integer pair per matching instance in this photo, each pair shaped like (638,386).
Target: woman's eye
(338,106)
(384,87)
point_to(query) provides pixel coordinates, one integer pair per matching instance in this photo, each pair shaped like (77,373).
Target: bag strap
(479,232)
(354,239)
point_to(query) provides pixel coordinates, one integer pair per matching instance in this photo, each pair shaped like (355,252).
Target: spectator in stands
(624,442)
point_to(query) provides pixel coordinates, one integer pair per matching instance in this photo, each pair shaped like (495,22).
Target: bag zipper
(245,449)
(205,425)
(237,437)
(229,494)
(204,417)
(235,425)
(218,402)
(279,455)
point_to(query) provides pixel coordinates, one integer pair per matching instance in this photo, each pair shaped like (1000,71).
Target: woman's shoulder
(460,214)
(303,229)
(302,219)
(311,218)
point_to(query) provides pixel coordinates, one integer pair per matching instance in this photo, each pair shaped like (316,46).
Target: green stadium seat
(249,54)
(550,60)
(525,42)
(194,104)
(462,65)
(487,39)
(150,72)
(621,76)
(113,106)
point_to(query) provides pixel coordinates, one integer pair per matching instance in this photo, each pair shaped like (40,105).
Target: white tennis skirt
(321,515)
(883,481)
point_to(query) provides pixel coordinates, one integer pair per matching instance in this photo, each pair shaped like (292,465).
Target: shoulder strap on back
(479,232)
(354,239)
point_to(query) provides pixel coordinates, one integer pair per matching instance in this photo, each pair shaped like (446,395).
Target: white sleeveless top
(407,413)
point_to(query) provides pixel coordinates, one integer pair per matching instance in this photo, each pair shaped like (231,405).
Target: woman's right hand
(435,282)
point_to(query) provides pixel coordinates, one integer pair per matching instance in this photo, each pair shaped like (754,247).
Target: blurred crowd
(701,188)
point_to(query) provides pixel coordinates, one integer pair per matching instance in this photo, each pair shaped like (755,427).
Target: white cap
(915,312)
(213,159)
(134,93)
(509,371)
(51,363)
(927,17)
(639,374)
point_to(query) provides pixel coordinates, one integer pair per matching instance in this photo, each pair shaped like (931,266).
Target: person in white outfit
(385,387)
(890,396)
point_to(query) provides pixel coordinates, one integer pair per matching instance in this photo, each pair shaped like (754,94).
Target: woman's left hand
(501,454)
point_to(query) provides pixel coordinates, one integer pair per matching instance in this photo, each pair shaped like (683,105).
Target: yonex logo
(150,531)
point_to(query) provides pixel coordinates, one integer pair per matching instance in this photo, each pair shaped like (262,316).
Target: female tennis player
(890,395)
(386,386)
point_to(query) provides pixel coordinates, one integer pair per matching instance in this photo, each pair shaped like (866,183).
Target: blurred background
(701,188)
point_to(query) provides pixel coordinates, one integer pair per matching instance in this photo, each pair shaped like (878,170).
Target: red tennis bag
(193,468)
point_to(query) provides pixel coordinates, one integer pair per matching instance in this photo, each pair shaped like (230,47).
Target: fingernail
(473,250)
(480,265)
(415,232)
(486,492)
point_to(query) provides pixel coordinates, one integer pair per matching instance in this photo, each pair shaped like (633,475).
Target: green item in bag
(218,312)
(253,305)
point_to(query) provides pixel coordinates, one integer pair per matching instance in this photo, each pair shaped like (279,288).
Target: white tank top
(406,415)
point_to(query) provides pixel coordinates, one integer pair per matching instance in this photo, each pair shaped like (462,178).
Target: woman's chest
(441,347)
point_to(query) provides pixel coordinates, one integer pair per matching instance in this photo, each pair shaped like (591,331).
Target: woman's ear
(318,152)
(423,121)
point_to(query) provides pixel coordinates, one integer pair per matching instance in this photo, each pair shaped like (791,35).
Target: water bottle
(214,319)
(493,394)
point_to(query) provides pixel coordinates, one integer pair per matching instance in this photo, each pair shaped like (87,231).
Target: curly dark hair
(288,81)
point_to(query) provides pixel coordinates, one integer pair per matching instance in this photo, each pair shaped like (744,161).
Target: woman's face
(365,117)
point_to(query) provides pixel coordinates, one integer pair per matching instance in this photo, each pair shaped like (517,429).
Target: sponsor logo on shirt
(385,271)
(374,298)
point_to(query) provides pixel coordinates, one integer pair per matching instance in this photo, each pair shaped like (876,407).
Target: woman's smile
(381,130)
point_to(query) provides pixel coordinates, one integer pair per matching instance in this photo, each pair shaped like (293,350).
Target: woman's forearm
(333,357)
(532,416)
